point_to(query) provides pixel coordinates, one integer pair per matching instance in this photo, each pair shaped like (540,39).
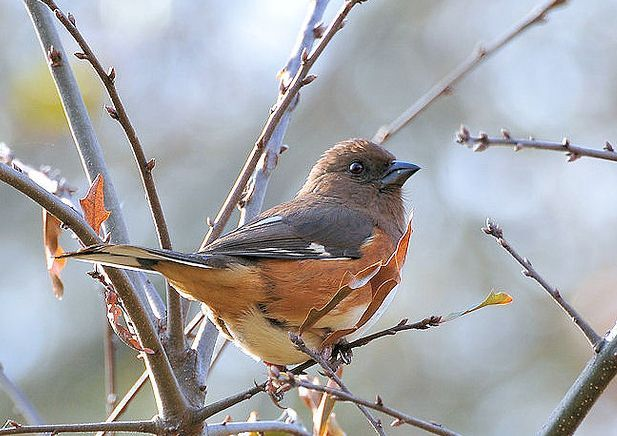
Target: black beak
(397,173)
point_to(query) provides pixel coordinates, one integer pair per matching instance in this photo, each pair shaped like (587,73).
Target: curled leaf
(93,204)
(492,299)
(382,280)
(51,233)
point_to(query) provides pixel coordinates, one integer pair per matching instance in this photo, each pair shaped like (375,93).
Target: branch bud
(112,112)
(308,79)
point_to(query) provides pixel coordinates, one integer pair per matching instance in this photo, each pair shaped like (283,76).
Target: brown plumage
(260,281)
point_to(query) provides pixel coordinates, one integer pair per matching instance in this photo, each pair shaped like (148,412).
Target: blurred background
(198,79)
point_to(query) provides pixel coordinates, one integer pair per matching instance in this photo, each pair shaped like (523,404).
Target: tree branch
(310,31)
(480,54)
(330,373)
(496,232)
(401,418)
(20,400)
(141,381)
(145,167)
(300,79)
(573,152)
(258,427)
(585,391)
(85,139)
(426,323)
(128,426)
(163,379)
(225,403)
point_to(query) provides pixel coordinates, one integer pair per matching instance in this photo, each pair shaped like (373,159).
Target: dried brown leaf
(93,204)
(115,313)
(382,282)
(51,233)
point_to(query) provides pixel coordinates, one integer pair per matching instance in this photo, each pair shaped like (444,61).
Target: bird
(259,282)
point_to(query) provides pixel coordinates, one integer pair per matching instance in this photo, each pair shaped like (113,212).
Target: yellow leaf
(492,299)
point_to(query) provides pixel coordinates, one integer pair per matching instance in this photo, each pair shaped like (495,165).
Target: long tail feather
(135,258)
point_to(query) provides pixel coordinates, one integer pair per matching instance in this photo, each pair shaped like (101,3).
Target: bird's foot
(278,382)
(341,353)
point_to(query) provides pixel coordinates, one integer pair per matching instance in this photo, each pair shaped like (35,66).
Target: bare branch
(480,54)
(163,378)
(426,323)
(20,400)
(175,322)
(401,418)
(273,120)
(585,391)
(299,343)
(141,381)
(258,427)
(85,139)
(145,166)
(128,397)
(256,191)
(496,232)
(109,354)
(232,400)
(573,152)
(128,426)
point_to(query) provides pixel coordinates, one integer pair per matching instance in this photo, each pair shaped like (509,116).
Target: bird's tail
(135,258)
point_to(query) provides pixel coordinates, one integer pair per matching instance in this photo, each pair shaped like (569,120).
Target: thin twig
(128,426)
(496,232)
(573,152)
(258,427)
(426,323)
(109,353)
(118,112)
(20,400)
(299,343)
(128,397)
(86,142)
(310,31)
(480,54)
(585,391)
(400,417)
(164,380)
(300,79)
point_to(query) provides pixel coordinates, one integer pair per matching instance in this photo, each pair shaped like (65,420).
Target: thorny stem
(573,152)
(480,54)
(496,232)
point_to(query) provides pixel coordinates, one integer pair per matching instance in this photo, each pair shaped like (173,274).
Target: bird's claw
(278,383)
(342,353)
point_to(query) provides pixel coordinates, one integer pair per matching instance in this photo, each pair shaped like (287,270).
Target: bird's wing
(301,233)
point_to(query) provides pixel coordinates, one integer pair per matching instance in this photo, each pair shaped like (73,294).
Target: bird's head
(361,174)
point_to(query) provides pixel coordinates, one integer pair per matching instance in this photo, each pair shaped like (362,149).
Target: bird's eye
(356,167)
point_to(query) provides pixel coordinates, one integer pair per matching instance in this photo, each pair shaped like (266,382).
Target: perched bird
(260,281)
